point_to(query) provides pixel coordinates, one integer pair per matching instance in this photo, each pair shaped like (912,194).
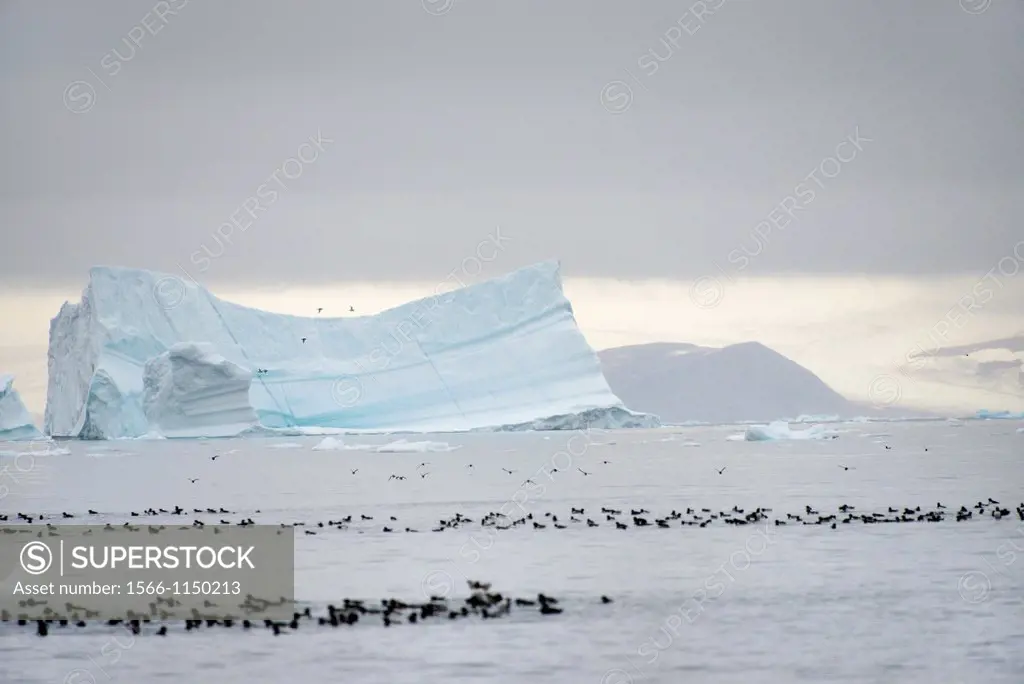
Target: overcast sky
(437,128)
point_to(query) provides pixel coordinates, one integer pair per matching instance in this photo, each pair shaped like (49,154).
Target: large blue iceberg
(15,421)
(502,354)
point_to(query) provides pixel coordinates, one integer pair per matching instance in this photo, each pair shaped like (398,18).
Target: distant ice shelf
(985,414)
(148,353)
(15,421)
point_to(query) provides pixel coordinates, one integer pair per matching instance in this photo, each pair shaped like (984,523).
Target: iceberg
(15,421)
(502,354)
(190,390)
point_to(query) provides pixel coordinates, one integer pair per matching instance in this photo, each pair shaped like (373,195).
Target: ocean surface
(919,602)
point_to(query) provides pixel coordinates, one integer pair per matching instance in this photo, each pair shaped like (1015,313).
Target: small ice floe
(335,444)
(402,446)
(779,430)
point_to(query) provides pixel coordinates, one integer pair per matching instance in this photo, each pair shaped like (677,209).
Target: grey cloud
(490,114)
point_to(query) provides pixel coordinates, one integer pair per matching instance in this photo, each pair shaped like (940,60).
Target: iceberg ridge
(190,390)
(16,422)
(504,352)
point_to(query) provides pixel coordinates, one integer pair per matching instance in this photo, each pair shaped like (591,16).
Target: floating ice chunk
(329,444)
(335,444)
(403,446)
(780,430)
(15,421)
(985,414)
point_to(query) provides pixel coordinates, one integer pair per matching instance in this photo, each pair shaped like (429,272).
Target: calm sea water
(921,602)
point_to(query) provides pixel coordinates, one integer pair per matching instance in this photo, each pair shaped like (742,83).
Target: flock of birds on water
(481,603)
(578,517)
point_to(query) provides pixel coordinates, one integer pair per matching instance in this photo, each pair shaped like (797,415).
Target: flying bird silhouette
(722,470)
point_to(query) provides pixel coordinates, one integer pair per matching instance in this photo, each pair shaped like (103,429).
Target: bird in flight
(722,470)
(355,471)
(215,457)
(303,340)
(193,480)
(847,467)
(423,475)
(422,464)
(583,471)
(529,481)
(508,471)
(319,309)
